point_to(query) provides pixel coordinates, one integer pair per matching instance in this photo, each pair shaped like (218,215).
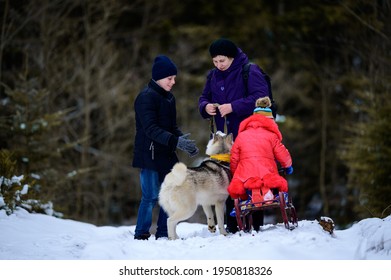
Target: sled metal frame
(245,209)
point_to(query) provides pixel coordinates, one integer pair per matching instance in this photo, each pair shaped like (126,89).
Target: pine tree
(367,154)
(31,140)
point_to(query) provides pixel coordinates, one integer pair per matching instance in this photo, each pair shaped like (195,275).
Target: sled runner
(244,209)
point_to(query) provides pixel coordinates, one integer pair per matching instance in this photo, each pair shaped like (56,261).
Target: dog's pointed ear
(216,138)
(230,137)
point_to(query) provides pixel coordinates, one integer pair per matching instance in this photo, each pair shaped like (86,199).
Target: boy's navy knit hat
(163,67)
(223,47)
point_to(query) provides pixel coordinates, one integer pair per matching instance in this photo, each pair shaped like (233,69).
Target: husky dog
(184,188)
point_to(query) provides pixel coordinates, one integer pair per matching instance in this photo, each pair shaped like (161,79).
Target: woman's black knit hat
(223,47)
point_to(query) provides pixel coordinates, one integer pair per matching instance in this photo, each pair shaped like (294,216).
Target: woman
(226,100)
(156,140)
(224,96)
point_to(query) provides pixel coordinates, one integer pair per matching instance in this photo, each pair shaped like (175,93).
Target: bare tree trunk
(2,44)
(323,149)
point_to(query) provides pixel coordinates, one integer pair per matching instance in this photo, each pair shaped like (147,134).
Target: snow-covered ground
(25,236)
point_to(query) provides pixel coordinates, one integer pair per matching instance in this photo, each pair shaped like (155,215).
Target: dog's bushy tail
(177,175)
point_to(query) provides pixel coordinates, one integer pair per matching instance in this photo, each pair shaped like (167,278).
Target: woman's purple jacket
(228,87)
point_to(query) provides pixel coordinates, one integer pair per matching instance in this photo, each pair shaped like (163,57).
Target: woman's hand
(225,109)
(211,109)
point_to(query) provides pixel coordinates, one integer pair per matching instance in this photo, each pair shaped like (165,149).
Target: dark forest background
(71,69)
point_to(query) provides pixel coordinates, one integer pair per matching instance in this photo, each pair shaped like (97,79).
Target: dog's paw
(173,238)
(212,229)
(223,232)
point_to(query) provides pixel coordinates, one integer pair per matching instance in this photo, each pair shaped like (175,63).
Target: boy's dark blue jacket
(156,130)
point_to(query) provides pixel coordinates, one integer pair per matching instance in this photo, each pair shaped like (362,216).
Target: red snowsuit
(253,157)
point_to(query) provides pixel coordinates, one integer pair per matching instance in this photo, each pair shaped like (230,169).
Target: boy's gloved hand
(194,152)
(289,170)
(187,145)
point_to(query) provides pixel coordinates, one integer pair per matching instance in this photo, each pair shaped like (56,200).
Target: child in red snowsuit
(254,154)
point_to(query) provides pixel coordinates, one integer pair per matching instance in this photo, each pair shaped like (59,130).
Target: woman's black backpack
(245,74)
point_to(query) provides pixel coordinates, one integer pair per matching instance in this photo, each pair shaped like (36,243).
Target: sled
(244,209)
